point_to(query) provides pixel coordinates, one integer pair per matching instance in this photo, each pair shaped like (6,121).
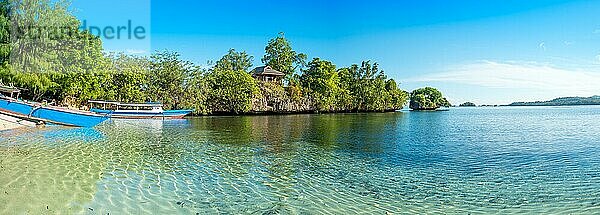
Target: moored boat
(136,110)
(45,113)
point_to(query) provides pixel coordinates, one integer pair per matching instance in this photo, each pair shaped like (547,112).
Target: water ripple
(479,161)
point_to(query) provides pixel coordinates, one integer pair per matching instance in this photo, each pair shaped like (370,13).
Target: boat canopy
(141,105)
(103,102)
(150,104)
(13,91)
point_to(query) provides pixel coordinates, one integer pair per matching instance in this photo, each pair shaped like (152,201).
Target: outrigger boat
(136,110)
(41,113)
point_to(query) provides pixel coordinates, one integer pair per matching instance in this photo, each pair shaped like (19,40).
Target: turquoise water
(466,160)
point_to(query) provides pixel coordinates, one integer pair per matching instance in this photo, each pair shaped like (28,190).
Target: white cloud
(542,46)
(519,75)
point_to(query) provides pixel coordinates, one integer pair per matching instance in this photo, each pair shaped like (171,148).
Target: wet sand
(8,122)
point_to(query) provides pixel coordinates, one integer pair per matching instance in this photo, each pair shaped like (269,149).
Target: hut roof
(267,70)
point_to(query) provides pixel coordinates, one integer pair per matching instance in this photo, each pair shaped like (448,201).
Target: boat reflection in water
(151,125)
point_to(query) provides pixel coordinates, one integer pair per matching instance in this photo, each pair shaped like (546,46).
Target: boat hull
(169,114)
(49,114)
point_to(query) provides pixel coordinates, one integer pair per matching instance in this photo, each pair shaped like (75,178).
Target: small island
(468,104)
(427,98)
(563,101)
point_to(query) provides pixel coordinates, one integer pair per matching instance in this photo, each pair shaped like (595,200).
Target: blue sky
(488,52)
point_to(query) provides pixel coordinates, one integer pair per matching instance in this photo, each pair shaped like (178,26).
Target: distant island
(468,104)
(564,101)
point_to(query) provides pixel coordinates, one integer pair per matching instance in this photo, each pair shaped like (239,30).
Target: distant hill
(565,101)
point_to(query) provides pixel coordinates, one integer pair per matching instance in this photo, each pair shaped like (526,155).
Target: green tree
(368,86)
(46,50)
(322,83)
(234,61)
(281,57)
(345,95)
(44,34)
(4,34)
(231,91)
(197,92)
(37,84)
(130,81)
(397,96)
(427,98)
(78,87)
(168,77)
(294,89)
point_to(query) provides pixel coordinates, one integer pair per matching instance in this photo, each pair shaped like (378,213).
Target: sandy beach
(8,122)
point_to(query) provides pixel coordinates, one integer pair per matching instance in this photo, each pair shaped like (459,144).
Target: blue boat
(47,114)
(136,111)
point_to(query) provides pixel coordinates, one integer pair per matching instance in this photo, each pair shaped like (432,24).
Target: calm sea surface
(467,160)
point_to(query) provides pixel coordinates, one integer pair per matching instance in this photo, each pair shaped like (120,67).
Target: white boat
(136,110)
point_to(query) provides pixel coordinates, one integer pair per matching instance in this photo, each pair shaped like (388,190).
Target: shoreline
(9,123)
(275,113)
(569,105)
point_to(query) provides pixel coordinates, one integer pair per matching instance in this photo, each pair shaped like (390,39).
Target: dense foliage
(280,56)
(69,68)
(234,61)
(44,52)
(4,33)
(357,88)
(427,98)
(231,91)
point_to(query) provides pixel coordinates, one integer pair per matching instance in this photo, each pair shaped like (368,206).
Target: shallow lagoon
(467,160)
